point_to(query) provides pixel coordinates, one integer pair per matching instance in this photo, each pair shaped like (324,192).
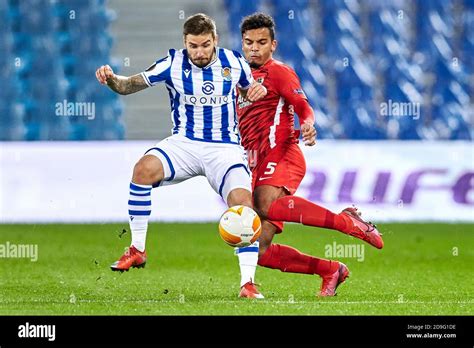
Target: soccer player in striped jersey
(278,165)
(201,80)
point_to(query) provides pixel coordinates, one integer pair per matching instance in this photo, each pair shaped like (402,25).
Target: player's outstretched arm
(120,84)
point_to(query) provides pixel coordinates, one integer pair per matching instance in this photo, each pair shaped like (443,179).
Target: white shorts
(224,165)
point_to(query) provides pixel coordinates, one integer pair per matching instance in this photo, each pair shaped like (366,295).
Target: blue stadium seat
(385,61)
(44,44)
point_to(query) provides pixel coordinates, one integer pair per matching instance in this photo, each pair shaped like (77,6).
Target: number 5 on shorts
(270,168)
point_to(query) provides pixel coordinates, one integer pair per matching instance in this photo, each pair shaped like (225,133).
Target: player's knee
(239,196)
(145,172)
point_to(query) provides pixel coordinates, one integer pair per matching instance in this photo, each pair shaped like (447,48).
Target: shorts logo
(226,74)
(208,88)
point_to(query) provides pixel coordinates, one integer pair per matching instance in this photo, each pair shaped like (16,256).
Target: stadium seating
(352,56)
(50,50)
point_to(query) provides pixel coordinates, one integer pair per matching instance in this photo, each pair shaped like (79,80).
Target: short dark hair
(256,21)
(199,24)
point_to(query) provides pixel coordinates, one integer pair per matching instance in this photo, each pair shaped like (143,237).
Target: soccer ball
(240,226)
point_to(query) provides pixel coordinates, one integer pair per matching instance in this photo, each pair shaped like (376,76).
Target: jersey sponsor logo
(208,87)
(204,100)
(226,73)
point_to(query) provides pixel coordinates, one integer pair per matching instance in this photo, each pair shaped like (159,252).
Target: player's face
(201,48)
(258,46)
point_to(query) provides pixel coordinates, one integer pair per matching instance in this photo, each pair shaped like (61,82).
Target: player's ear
(184,40)
(216,40)
(274,45)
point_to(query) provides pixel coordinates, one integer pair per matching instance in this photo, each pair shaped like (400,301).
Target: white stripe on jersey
(276,122)
(204,109)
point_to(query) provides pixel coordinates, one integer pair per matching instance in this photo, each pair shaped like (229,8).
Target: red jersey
(269,123)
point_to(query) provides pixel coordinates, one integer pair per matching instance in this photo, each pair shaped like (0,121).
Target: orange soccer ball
(240,226)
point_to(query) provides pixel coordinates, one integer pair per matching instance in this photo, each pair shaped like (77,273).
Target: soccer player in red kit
(278,165)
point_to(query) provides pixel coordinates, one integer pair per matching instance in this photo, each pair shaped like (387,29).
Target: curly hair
(256,21)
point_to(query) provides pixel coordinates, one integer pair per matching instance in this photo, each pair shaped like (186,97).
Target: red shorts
(281,167)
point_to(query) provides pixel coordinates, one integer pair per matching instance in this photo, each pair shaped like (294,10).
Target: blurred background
(398,71)
(351,56)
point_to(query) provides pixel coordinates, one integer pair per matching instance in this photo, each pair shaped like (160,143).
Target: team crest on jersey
(226,74)
(260,80)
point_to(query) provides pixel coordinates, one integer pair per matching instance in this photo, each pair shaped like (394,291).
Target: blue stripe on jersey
(225,123)
(243,77)
(174,102)
(225,108)
(236,123)
(163,76)
(174,108)
(207,110)
(188,89)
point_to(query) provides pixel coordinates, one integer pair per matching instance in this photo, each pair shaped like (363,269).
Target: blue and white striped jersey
(202,99)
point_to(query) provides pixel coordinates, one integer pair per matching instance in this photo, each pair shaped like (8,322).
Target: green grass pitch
(424,269)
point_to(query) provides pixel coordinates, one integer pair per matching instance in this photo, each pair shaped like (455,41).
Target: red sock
(297,209)
(288,259)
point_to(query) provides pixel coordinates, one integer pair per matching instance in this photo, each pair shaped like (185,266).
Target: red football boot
(332,281)
(249,290)
(131,258)
(366,231)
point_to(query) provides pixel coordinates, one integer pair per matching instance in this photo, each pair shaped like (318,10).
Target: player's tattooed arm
(120,84)
(126,85)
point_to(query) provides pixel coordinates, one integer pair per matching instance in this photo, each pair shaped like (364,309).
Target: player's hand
(309,133)
(103,73)
(256,92)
